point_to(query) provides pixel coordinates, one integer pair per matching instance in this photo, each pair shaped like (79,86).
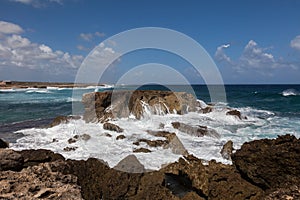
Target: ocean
(271,110)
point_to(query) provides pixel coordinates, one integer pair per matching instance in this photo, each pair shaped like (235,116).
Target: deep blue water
(33,107)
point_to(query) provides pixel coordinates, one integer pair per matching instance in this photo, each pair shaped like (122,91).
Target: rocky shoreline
(262,169)
(24,85)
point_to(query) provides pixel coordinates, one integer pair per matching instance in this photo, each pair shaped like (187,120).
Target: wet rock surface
(62,120)
(263,169)
(102,106)
(198,131)
(112,127)
(227,149)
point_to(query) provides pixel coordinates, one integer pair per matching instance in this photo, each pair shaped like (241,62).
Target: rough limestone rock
(290,193)
(198,131)
(270,163)
(38,182)
(213,181)
(112,127)
(34,157)
(10,160)
(227,150)
(102,106)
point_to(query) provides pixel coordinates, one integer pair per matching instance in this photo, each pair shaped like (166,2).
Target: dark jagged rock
(172,142)
(70,148)
(34,157)
(62,119)
(270,163)
(235,113)
(120,137)
(112,127)
(108,135)
(214,181)
(99,106)
(198,131)
(3,144)
(207,109)
(10,160)
(84,137)
(141,150)
(263,169)
(227,150)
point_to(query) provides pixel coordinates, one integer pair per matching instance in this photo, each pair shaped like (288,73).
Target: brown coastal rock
(38,182)
(198,130)
(213,181)
(99,106)
(227,150)
(235,113)
(270,163)
(112,127)
(10,160)
(62,119)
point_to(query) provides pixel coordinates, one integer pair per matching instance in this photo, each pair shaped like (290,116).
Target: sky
(251,42)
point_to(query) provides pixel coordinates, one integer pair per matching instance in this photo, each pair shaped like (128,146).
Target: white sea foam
(41,91)
(290,92)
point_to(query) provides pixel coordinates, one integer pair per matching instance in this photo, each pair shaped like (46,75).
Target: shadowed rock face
(270,163)
(101,106)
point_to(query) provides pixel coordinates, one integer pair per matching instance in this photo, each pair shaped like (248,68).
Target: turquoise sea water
(31,107)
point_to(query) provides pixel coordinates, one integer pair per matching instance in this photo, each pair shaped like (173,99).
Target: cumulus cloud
(295,43)
(220,55)
(90,36)
(86,36)
(38,3)
(18,51)
(9,28)
(254,58)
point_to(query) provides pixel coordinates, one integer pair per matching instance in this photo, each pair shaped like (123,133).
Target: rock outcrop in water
(101,106)
(198,131)
(262,169)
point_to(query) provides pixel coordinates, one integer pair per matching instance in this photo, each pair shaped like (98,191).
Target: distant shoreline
(21,84)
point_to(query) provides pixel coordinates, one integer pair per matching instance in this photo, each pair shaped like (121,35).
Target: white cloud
(18,51)
(86,36)
(90,36)
(220,55)
(9,28)
(38,3)
(254,58)
(295,43)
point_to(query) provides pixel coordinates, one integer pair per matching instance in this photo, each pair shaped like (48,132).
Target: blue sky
(250,41)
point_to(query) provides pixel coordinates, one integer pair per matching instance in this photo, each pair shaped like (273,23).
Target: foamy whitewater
(269,111)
